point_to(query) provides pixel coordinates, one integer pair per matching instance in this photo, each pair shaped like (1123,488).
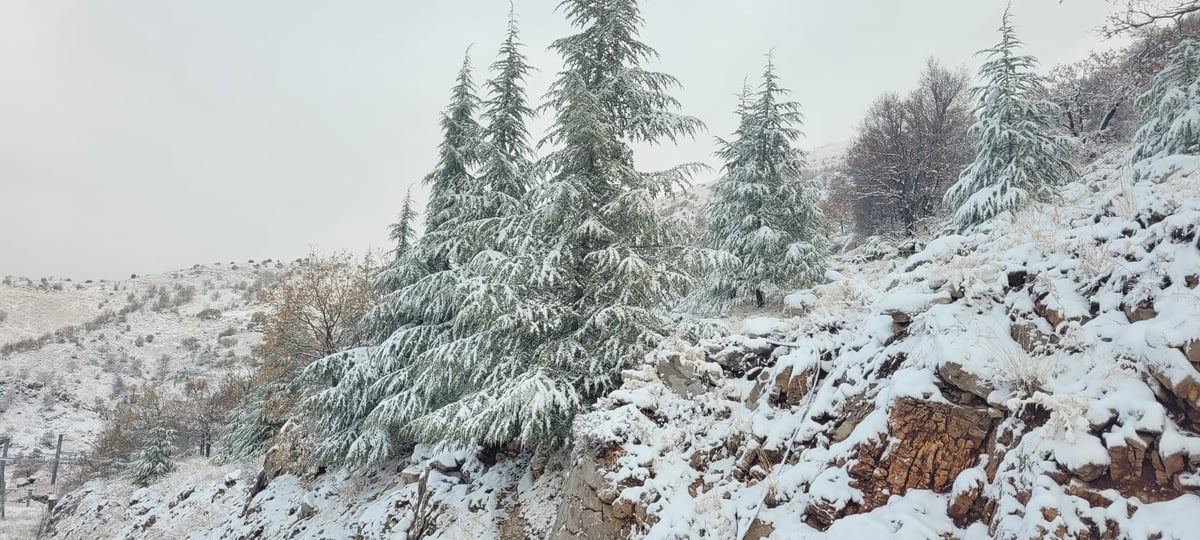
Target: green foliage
(403,232)
(1018,157)
(154,460)
(1172,106)
(765,211)
(524,299)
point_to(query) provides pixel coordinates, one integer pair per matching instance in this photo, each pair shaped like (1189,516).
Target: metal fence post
(3,486)
(57,454)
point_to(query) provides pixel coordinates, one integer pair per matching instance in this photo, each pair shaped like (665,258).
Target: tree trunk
(1108,117)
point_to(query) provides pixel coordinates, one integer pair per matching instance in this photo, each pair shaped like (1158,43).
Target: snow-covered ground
(162,330)
(1039,378)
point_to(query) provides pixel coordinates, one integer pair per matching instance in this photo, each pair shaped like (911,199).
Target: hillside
(70,350)
(1037,378)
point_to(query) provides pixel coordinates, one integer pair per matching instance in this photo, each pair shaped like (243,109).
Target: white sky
(143,136)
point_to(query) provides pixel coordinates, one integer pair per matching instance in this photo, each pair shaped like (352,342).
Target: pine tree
(1172,106)
(453,201)
(442,297)
(506,170)
(765,211)
(154,460)
(404,232)
(541,321)
(458,154)
(587,274)
(249,433)
(416,312)
(1018,157)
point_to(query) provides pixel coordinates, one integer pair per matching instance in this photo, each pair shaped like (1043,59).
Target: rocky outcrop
(789,389)
(929,445)
(587,510)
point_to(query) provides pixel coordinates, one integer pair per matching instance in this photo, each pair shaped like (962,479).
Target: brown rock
(789,390)
(758,530)
(1122,466)
(853,414)
(1192,351)
(954,374)
(1186,390)
(585,511)
(622,509)
(1173,464)
(1095,500)
(900,321)
(1090,471)
(820,515)
(931,444)
(1139,313)
(962,502)
(514,524)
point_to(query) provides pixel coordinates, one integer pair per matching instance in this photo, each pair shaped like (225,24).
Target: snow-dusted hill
(1037,379)
(69,349)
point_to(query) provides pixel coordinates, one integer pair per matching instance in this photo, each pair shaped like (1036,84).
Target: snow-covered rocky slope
(68,350)
(1037,379)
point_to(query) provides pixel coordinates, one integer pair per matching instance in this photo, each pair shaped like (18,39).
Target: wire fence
(66,458)
(15,461)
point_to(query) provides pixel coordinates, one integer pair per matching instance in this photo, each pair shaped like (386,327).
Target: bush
(190,343)
(209,314)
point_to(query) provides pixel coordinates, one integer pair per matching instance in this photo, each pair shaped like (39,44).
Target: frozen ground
(1038,378)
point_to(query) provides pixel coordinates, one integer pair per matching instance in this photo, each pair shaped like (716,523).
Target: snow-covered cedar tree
(592,267)
(154,460)
(458,154)
(764,210)
(575,285)
(249,432)
(1172,106)
(404,232)
(1018,156)
(437,329)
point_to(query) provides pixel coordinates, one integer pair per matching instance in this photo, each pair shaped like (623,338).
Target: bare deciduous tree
(315,310)
(1138,14)
(1097,94)
(909,150)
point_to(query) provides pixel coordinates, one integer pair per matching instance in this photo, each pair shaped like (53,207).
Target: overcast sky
(145,136)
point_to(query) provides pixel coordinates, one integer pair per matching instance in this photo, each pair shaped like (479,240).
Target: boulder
(587,510)
(955,374)
(1139,312)
(931,443)
(682,378)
